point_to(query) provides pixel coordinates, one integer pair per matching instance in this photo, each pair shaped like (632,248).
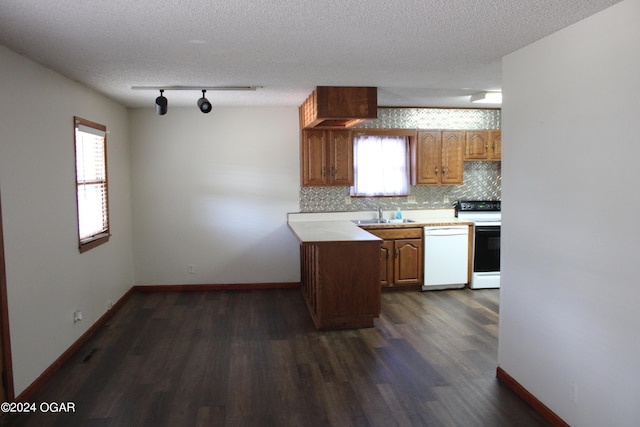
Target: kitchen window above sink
(381,165)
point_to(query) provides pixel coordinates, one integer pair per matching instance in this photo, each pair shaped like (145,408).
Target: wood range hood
(338,107)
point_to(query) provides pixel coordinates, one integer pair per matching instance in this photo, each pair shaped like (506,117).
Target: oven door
(486,250)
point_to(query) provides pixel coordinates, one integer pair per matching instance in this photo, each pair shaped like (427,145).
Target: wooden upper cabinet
(437,158)
(483,145)
(495,145)
(340,158)
(315,157)
(476,145)
(327,158)
(425,159)
(452,158)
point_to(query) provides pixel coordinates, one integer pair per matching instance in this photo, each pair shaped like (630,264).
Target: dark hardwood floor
(253,358)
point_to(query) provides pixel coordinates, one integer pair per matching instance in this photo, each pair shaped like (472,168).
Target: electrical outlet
(191,269)
(446,199)
(347,200)
(411,199)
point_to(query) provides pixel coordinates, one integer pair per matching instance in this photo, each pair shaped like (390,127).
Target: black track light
(204,104)
(161,104)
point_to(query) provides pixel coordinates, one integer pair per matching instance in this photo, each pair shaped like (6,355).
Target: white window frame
(92,186)
(386,178)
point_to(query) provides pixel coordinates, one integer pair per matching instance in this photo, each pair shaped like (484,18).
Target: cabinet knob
(436,170)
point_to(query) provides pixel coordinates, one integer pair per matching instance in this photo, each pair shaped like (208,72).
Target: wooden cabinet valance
(338,107)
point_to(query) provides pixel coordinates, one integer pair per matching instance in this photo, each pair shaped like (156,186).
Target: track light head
(204,104)
(161,104)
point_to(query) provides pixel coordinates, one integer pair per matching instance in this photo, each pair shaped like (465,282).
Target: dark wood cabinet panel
(340,283)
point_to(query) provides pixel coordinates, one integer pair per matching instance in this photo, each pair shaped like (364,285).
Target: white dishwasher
(446,257)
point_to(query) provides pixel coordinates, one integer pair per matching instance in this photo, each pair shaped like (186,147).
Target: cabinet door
(426,162)
(452,160)
(314,157)
(386,263)
(408,261)
(340,158)
(495,145)
(476,145)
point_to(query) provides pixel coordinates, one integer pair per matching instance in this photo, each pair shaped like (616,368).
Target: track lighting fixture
(161,104)
(204,104)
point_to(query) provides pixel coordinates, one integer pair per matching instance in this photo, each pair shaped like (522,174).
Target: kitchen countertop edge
(344,230)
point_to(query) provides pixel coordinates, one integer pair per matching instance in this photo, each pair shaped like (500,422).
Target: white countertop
(338,226)
(330,231)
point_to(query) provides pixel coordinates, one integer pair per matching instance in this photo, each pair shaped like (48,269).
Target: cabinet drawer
(396,233)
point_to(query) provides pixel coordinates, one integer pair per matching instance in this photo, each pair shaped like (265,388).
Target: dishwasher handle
(447,231)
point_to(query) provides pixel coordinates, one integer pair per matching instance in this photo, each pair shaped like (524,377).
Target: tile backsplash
(434,118)
(482,180)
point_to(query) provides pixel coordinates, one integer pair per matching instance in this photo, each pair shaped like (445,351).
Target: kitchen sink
(381,221)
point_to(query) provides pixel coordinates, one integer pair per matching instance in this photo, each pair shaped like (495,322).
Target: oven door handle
(487,228)
(488,223)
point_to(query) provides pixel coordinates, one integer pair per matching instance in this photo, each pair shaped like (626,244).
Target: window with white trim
(381,165)
(91,183)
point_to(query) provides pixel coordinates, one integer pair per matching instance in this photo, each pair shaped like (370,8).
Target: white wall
(214,190)
(570,286)
(47,278)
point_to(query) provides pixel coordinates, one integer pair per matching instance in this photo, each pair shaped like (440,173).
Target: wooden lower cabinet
(400,257)
(340,283)
(408,262)
(387,265)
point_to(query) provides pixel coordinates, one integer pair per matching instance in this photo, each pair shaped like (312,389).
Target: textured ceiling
(417,52)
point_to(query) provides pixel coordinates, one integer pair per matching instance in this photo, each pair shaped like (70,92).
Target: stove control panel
(478,205)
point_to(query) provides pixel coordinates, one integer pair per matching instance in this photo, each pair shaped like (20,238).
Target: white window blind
(91,180)
(381,165)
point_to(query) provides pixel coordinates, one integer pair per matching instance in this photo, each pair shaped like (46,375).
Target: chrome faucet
(379,212)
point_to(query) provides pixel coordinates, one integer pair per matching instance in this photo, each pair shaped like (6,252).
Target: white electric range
(487,219)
